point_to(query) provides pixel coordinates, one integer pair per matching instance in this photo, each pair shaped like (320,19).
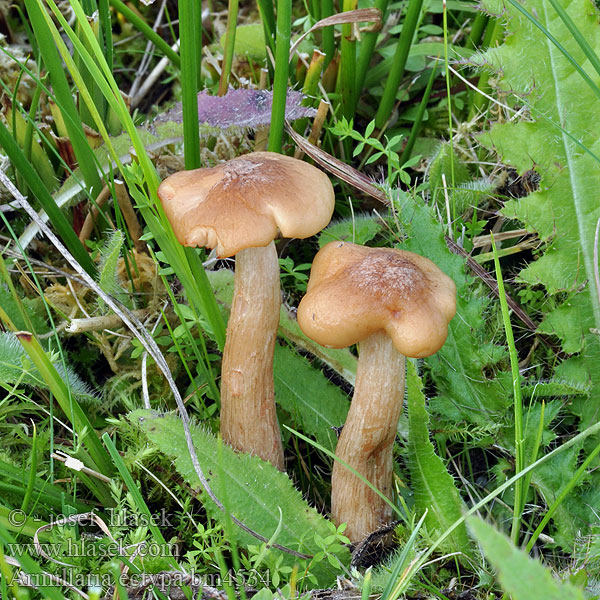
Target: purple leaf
(240,108)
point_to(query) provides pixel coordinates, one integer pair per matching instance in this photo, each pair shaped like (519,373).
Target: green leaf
(315,404)
(60,85)
(550,479)
(15,368)
(249,41)
(360,229)
(520,576)
(107,276)
(433,486)
(562,142)
(256,490)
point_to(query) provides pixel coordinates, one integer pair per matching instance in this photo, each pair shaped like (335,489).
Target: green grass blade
(32,472)
(38,189)
(413,14)
(367,46)
(60,85)
(520,492)
(477,28)
(106,28)
(327,10)
(280,83)
(577,35)
(232,15)
(15,521)
(184,261)
(267,16)
(416,128)
(347,77)
(574,481)
(402,561)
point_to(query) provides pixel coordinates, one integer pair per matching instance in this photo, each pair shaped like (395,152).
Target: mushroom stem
(248,416)
(367,440)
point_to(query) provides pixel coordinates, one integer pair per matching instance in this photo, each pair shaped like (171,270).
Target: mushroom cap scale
(246,202)
(355,291)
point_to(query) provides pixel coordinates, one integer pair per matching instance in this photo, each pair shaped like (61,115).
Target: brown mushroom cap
(246,202)
(355,291)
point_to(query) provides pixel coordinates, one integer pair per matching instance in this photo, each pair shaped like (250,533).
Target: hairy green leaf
(433,486)
(360,229)
(520,576)
(16,368)
(561,140)
(107,274)
(315,404)
(256,491)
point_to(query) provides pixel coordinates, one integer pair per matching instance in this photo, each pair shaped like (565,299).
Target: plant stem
(413,13)
(284,29)
(232,15)
(367,46)
(414,132)
(267,16)
(477,29)
(450,134)
(479,101)
(348,64)
(328,33)
(189,82)
(518,403)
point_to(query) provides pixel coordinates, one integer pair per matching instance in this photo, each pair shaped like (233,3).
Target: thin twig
(90,218)
(491,283)
(99,323)
(131,220)
(77,465)
(154,75)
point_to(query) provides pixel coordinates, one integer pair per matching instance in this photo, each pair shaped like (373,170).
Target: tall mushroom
(394,304)
(239,207)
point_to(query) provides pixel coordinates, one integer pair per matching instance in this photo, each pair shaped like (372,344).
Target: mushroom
(239,207)
(394,304)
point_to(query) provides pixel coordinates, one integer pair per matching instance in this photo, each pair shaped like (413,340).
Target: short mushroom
(394,304)
(239,207)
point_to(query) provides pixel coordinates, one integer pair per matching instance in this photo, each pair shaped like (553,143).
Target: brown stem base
(248,416)
(367,440)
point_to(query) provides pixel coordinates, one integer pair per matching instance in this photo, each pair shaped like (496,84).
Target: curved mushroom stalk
(248,416)
(367,440)
(363,295)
